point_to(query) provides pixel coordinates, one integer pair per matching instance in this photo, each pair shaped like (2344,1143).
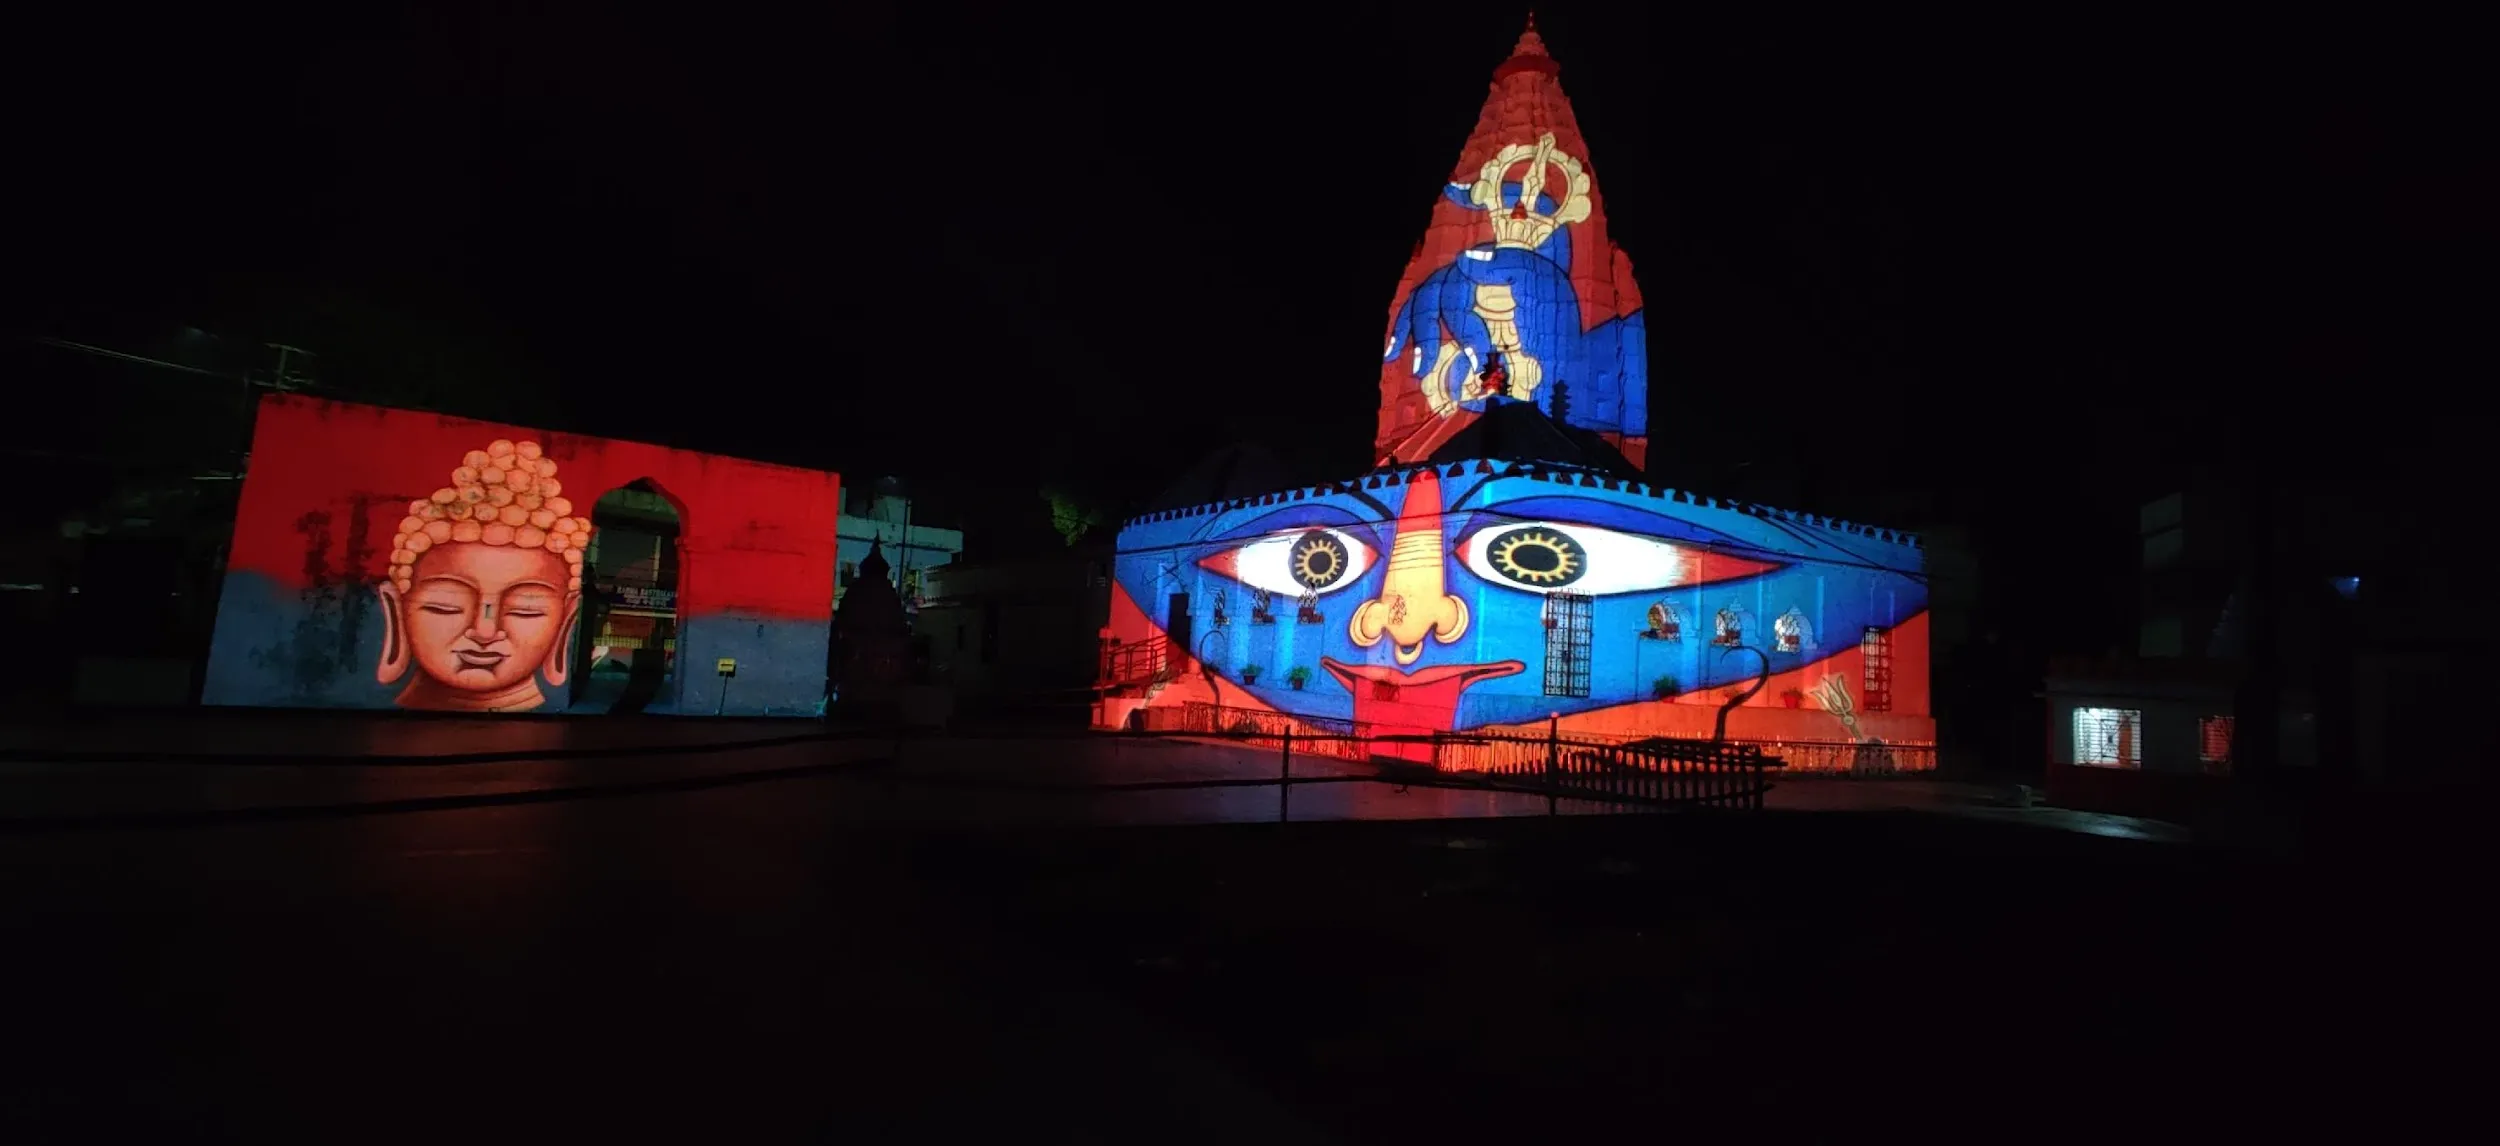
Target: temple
(1504,565)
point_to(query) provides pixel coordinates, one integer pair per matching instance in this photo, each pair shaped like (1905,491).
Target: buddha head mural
(484,586)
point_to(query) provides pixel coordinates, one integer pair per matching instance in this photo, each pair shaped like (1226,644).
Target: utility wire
(83,348)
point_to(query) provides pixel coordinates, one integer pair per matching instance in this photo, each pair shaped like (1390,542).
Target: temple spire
(1528,55)
(1530,44)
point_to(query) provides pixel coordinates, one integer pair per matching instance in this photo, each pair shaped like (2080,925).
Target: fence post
(1553,758)
(1284,780)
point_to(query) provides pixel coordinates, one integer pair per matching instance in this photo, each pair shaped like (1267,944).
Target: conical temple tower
(1515,293)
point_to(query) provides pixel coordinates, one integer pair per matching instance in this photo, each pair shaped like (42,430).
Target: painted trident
(1412,603)
(1831,694)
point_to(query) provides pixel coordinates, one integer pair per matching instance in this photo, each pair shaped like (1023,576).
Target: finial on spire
(1530,44)
(1528,55)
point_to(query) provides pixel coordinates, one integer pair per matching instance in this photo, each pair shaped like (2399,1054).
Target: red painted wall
(759,538)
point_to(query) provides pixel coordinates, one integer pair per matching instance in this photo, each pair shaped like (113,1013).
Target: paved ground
(727,965)
(786,959)
(246,734)
(906,940)
(188,770)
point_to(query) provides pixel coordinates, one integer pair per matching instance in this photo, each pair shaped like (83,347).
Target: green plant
(1298,676)
(1665,687)
(1249,674)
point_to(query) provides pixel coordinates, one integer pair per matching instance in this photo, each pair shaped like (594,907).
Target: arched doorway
(628,642)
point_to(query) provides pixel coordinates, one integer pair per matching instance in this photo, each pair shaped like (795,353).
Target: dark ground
(768,961)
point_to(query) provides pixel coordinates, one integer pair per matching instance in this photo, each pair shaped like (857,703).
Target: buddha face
(479,621)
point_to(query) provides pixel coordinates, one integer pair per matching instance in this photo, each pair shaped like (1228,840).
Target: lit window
(2213,744)
(2109,737)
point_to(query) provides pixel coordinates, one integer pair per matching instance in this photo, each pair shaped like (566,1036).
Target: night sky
(1909,270)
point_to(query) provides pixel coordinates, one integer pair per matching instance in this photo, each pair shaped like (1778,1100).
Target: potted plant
(1793,698)
(1249,674)
(1298,676)
(1665,687)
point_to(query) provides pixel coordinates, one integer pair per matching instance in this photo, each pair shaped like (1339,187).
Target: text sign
(727,667)
(637,597)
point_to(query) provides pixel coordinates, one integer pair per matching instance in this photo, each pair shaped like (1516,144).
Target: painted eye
(1543,556)
(1537,558)
(1292,564)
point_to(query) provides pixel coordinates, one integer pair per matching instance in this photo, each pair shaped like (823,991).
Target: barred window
(1566,644)
(2109,737)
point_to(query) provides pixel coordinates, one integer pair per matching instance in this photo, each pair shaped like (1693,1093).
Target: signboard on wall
(640,597)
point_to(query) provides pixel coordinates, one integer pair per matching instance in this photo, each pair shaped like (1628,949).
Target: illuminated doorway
(628,642)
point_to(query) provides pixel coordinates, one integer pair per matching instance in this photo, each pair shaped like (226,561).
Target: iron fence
(1654,770)
(1510,752)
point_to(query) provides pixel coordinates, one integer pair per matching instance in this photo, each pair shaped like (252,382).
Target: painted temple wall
(303,617)
(1453,562)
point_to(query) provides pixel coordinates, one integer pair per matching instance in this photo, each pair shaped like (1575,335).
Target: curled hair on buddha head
(505,494)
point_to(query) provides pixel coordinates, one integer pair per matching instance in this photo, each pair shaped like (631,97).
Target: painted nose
(486,630)
(1412,604)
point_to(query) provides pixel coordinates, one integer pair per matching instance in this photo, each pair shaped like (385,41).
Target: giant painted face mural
(1447,599)
(484,587)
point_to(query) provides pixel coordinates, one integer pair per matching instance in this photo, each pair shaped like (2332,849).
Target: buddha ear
(394,662)
(559,666)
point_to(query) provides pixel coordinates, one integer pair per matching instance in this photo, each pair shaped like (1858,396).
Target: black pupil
(1322,563)
(1536,557)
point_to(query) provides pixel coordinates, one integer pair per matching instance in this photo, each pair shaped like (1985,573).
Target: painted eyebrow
(1289,519)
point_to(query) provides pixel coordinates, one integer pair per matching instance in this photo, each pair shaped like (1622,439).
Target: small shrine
(872,657)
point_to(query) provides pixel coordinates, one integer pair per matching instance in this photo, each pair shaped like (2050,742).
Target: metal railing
(1511,752)
(1142,663)
(1657,771)
(1317,736)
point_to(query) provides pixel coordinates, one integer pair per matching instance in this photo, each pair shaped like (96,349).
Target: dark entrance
(628,643)
(1176,624)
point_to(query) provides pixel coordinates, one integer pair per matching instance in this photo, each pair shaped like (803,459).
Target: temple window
(1566,644)
(1665,624)
(1728,627)
(1791,633)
